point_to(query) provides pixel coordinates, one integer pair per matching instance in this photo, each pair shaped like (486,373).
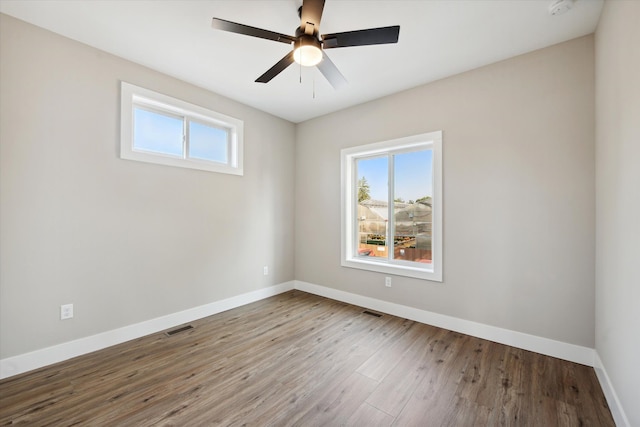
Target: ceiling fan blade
(311,14)
(382,35)
(234,27)
(276,69)
(331,72)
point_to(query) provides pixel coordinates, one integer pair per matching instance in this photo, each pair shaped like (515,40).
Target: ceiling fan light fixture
(307,55)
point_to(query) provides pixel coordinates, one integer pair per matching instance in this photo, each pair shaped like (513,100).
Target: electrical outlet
(265,270)
(387,281)
(66,311)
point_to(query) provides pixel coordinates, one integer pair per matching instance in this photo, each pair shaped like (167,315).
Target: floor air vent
(371,313)
(178,330)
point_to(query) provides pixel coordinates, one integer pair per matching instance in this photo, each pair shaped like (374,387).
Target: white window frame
(134,96)
(349,178)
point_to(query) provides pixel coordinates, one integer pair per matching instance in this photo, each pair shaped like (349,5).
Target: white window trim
(132,96)
(431,271)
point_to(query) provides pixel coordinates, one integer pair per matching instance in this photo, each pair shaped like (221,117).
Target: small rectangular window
(156,128)
(392,204)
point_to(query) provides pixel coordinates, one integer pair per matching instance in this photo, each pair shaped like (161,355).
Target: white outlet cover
(66,311)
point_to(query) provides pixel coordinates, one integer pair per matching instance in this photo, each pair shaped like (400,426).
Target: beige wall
(618,199)
(519,213)
(127,241)
(123,241)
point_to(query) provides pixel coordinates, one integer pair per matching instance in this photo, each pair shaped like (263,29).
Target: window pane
(157,132)
(413,191)
(208,142)
(373,206)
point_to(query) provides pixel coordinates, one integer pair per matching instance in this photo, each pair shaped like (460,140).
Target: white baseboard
(587,356)
(36,359)
(561,350)
(610,394)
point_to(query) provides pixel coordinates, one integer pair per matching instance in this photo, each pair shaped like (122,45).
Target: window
(392,206)
(156,128)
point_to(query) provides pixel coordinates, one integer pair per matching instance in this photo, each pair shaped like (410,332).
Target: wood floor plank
(302,401)
(367,415)
(320,363)
(589,401)
(431,402)
(306,385)
(300,359)
(339,402)
(511,387)
(397,387)
(464,413)
(388,356)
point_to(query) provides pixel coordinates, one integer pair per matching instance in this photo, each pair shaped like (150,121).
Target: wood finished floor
(303,360)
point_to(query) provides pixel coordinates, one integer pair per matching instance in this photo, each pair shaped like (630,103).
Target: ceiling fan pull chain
(314,86)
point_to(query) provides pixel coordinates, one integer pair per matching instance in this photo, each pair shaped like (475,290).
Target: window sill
(381,266)
(161,159)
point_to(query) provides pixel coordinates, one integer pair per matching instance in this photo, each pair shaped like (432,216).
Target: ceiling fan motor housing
(306,40)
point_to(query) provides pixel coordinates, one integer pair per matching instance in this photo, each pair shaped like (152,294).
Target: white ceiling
(438,38)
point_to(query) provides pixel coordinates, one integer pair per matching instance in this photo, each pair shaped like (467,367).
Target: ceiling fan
(308,45)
